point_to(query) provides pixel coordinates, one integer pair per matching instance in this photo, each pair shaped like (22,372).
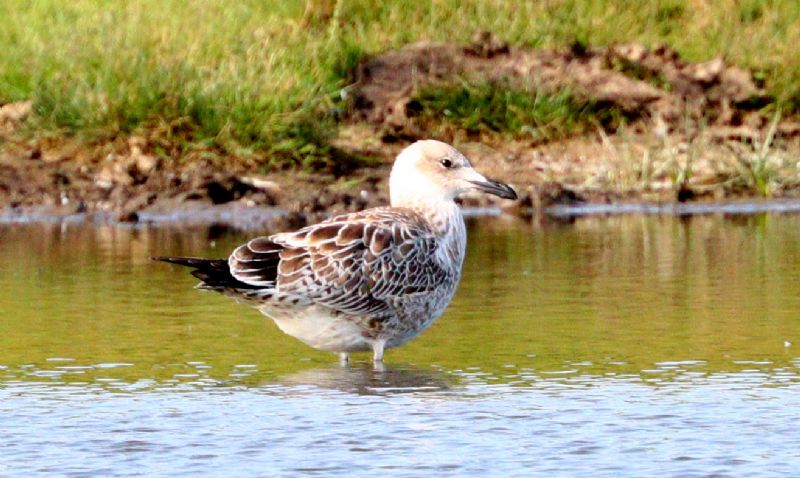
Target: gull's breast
(323,329)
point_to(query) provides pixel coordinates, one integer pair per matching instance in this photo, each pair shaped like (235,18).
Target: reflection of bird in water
(368,280)
(366,380)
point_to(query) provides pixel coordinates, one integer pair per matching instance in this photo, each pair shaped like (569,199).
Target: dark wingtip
(214,273)
(191,261)
(182,261)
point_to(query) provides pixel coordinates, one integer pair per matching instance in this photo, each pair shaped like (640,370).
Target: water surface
(596,346)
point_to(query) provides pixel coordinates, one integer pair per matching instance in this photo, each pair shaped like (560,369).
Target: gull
(369,280)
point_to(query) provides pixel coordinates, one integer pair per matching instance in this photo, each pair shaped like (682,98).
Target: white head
(429,172)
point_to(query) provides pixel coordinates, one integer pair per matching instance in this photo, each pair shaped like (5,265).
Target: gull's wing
(356,263)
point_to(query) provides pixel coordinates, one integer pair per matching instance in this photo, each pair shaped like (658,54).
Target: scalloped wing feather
(357,264)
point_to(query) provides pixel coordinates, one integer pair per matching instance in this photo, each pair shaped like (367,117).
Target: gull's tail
(215,273)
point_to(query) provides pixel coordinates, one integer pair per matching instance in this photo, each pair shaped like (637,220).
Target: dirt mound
(656,84)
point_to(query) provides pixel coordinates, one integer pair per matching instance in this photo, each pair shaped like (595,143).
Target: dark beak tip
(497,188)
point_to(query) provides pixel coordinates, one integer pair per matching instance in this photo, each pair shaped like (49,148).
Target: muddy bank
(692,132)
(129,183)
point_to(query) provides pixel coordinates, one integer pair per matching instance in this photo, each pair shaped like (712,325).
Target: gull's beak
(495,187)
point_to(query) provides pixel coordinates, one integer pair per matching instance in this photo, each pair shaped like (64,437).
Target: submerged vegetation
(271,76)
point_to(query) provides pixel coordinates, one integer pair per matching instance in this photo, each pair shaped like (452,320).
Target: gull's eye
(446,162)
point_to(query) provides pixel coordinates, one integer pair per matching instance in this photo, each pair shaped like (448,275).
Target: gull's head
(430,171)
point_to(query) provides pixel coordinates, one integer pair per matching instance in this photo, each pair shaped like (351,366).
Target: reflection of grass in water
(599,296)
(494,108)
(268,74)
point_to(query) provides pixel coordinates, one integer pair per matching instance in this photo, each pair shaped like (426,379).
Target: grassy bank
(267,75)
(489,108)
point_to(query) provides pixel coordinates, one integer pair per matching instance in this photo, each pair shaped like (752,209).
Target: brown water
(626,345)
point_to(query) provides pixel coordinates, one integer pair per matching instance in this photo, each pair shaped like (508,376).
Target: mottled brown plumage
(360,263)
(366,280)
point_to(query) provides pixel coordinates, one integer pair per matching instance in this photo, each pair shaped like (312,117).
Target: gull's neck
(441,214)
(444,218)
(447,223)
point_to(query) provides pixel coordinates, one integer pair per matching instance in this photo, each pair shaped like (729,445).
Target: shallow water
(594,346)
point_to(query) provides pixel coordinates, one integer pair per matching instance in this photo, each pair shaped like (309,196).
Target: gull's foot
(378,366)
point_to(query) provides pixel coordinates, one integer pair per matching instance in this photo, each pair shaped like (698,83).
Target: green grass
(266,74)
(491,108)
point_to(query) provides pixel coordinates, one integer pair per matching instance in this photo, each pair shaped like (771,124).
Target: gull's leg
(344,358)
(377,351)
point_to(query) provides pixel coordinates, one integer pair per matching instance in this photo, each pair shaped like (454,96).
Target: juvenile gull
(368,280)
